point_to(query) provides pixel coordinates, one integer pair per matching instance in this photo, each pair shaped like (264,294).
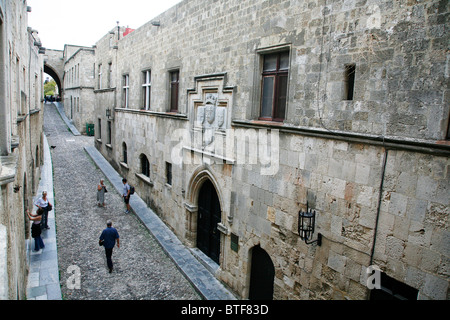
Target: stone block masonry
(360,122)
(21,142)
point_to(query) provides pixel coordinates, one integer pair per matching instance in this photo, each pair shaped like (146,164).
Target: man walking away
(126,194)
(109,237)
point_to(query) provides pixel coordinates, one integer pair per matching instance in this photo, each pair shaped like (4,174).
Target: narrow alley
(142,270)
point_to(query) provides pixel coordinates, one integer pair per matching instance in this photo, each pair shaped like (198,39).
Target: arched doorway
(262,275)
(209,215)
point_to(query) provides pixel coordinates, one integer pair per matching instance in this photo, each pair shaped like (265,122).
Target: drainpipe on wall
(380,197)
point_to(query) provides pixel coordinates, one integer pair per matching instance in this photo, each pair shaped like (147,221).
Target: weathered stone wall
(79,82)
(371,167)
(106,91)
(21,100)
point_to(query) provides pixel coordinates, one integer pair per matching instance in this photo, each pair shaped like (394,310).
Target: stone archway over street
(54,66)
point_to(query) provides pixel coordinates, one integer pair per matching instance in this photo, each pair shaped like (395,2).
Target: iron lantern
(108,113)
(306,226)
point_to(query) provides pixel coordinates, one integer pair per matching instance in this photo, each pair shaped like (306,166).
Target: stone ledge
(172,115)
(437,148)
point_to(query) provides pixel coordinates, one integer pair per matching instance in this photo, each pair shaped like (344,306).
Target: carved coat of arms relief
(211,119)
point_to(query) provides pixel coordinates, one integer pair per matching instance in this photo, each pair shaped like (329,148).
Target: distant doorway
(209,215)
(262,275)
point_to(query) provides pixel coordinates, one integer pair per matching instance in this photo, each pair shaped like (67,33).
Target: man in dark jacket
(109,237)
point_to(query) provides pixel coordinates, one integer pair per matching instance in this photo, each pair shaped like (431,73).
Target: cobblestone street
(142,270)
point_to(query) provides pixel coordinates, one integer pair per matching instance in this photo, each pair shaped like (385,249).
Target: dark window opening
(174,87)
(145,166)
(169,173)
(109,133)
(99,129)
(349,81)
(124,153)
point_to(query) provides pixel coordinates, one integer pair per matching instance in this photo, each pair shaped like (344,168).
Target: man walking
(109,237)
(126,194)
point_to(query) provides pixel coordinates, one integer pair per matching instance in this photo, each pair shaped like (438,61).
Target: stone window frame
(109,128)
(124,153)
(169,175)
(349,82)
(110,73)
(276,75)
(258,76)
(174,86)
(144,165)
(124,159)
(99,131)
(100,66)
(146,89)
(126,90)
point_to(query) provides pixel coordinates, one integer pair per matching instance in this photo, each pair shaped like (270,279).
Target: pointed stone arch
(196,181)
(199,177)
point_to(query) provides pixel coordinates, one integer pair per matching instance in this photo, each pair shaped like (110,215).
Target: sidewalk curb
(43,276)
(208,286)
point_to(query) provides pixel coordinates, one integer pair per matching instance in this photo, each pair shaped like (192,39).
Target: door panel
(262,275)
(209,215)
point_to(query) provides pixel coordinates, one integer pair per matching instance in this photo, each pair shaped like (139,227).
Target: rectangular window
(99,129)
(145,166)
(110,75)
(23,103)
(124,152)
(125,90)
(99,76)
(146,89)
(174,87)
(349,82)
(109,132)
(274,86)
(169,173)
(36,92)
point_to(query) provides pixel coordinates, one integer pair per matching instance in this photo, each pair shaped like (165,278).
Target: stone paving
(43,276)
(142,269)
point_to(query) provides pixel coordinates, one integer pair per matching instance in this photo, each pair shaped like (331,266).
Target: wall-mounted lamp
(156,23)
(108,113)
(306,225)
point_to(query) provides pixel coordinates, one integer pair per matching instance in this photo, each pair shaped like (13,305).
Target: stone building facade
(232,116)
(21,141)
(79,85)
(106,86)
